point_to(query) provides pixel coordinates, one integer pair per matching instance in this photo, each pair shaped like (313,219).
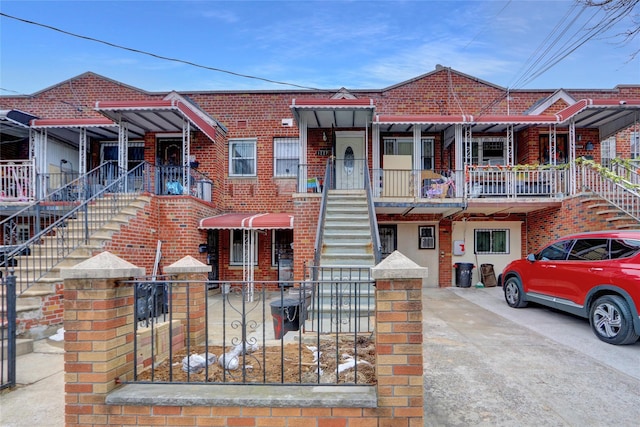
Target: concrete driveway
(487,364)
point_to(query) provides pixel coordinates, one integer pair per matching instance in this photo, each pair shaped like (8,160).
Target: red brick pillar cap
(187,264)
(102,266)
(398,266)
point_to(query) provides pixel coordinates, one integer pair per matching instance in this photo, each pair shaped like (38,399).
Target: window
(635,145)
(388,239)
(556,252)
(242,157)
(488,151)
(608,151)
(285,157)
(237,246)
(135,153)
(426,237)
(589,250)
(492,241)
(398,146)
(281,241)
(561,149)
(427,153)
(624,248)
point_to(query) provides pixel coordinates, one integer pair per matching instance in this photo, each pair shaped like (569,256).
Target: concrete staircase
(343,303)
(30,304)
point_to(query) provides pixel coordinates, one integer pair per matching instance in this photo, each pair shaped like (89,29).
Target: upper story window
(404,147)
(635,145)
(427,153)
(242,157)
(286,155)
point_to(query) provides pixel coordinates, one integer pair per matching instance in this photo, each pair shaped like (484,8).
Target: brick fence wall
(99,316)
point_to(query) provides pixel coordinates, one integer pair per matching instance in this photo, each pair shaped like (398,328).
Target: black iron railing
(245,333)
(7,330)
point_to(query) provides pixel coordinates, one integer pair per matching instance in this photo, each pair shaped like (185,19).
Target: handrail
(45,249)
(618,191)
(328,184)
(373,221)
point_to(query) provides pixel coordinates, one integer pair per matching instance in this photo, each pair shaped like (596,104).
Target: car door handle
(596,269)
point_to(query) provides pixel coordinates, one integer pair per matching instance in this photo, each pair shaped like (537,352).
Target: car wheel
(611,320)
(513,293)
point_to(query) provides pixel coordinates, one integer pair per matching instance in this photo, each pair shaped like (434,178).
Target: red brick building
(455,169)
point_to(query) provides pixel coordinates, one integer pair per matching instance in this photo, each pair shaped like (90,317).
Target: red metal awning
(325,113)
(164,115)
(248,221)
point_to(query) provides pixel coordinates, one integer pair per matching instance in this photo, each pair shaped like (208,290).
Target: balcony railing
(17,180)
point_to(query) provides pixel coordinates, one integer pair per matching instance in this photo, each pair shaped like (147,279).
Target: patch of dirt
(292,363)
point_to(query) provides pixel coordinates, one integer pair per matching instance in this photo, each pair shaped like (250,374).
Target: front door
(350,160)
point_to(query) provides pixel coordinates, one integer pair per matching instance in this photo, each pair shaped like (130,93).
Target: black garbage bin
(463,274)
(286,316)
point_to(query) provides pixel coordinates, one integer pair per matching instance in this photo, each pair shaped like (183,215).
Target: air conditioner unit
(427,242)
(287,123)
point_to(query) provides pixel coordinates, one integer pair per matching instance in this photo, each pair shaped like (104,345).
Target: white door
(350,162)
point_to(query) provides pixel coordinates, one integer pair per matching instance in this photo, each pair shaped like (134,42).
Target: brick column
(98,324)
(188,298)
(399,332)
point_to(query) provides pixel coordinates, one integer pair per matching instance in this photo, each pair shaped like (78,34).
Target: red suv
(594,275)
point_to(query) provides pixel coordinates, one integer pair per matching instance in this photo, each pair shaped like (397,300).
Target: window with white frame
(491,241)
(635,145)
(607,151)
(281,245)
(398,146)
(238,246)
(286,155)
(242,157)
(427,153)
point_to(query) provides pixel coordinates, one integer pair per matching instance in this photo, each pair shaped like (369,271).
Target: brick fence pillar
(98,339)
(399,332)
(188,296)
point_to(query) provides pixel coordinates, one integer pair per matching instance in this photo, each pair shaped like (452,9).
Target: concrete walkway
(482,369)
(485,365)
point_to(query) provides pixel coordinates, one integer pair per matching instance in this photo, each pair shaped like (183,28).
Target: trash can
(303,295)
(286,316)
(488,276)
(463,274)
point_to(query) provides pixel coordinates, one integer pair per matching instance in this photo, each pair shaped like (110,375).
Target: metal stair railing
(48,221)
(373,221)
(617,190)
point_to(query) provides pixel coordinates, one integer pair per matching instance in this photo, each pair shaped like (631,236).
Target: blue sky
(320,44)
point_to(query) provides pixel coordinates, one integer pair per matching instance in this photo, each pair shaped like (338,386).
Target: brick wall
(99,355)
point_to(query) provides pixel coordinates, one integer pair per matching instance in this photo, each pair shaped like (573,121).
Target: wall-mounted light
(589,146)
(324,136)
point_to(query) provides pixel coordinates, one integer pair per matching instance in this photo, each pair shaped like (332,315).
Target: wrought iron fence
(7,330)
(250,333)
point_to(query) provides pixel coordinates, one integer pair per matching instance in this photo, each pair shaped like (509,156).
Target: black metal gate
(7,329)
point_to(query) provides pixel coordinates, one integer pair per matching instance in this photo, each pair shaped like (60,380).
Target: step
(23,346)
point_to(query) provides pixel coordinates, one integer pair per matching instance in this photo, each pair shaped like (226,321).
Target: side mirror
(531,257)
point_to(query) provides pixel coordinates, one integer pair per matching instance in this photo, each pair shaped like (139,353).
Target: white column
(376,176)
(186,166)
(302,172)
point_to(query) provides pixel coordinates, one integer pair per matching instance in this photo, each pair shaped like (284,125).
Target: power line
(154,55)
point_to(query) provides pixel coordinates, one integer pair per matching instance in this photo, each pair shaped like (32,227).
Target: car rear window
(624,248)
(590,250)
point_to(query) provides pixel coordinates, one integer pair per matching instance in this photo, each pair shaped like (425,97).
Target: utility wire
(166,58)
